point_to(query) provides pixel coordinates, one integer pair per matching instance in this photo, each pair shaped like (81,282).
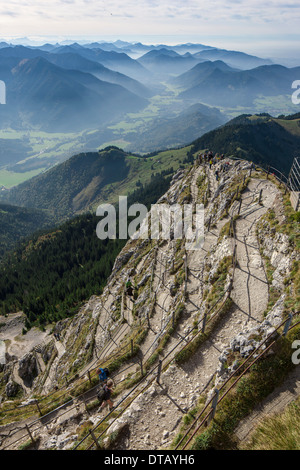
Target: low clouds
(154,17)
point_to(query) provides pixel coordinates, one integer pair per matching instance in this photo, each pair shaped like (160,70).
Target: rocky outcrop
(12,389)
(28,369)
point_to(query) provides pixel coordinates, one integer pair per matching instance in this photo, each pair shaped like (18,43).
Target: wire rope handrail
(236,381)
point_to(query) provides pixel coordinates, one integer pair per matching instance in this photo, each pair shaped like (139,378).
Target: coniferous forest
(50,275)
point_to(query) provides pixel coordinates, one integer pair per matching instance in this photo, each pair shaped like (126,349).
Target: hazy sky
(266,26)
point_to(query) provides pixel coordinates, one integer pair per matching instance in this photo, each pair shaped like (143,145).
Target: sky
(263,27)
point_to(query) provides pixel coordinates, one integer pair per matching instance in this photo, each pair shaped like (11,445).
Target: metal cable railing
(234,373)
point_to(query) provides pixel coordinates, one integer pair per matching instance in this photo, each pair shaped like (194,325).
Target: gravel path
(154,426)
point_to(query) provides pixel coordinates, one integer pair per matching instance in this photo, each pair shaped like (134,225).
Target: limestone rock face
(11,389)
(28,369)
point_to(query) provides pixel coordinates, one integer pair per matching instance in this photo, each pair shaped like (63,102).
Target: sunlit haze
(266,28)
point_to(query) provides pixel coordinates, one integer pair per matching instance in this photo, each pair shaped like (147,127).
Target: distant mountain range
(74,61)
(71,87)
(171,62)
(165,62)
(217,84)
(233,58)
(60,99)
(133,93)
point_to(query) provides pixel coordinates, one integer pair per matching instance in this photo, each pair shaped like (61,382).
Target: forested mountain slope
(85,180)
(53,271)
(262,139)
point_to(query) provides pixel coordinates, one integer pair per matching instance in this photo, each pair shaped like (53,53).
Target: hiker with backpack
(104,395)
(103,374)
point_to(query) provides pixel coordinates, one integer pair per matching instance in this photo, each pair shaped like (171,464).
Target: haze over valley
(63,98)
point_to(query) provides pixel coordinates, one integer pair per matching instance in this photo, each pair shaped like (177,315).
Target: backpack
(103,373)
(101,394)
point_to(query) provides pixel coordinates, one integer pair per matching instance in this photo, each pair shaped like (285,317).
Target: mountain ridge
(262,139)
(224,86)
(165,319)
(61,99)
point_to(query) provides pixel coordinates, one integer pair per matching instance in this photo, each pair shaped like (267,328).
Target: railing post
(240,206)
(204,322)
(94,438)
(28,430)
(230,286)
(214,403)
(38,407)
(122,306)
(234,255)
(159,371)
(85,405)
(287,324)
(185,271)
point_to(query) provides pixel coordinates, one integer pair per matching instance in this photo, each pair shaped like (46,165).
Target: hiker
(104,395)
(129,289)
(210,164)
(217,175)
(103,374)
